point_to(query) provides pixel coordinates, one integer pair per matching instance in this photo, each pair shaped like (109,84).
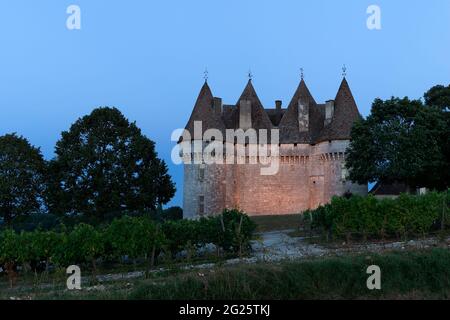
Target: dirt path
(279,245)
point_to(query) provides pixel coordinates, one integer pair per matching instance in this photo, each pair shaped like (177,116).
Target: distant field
(277,222)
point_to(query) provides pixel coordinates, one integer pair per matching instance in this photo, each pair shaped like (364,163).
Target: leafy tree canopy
(104,164)
(402,140)
(22,170)
(438,96)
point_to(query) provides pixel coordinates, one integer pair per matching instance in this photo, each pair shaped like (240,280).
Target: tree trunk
(94,270)
(152,260)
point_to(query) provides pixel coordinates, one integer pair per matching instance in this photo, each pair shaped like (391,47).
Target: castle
(312,142)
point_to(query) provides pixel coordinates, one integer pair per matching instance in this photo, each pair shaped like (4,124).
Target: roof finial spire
(205,74)
(344,71)
(250,75)
(302,75)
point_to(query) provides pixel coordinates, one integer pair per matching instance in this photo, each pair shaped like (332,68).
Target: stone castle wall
(307,177)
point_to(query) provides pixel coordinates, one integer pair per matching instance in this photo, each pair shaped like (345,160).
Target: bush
(135,237)
(9,249)
(234,231)
(181,234)
(173,213)
(41,246)
(230,231)
(408,215)
(83,244)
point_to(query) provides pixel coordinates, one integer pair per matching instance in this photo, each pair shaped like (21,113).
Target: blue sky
(147,58)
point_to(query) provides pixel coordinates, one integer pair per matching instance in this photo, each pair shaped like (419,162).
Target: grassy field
(274,222)
(405,275)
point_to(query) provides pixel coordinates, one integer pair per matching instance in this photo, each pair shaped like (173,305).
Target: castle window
(201,205)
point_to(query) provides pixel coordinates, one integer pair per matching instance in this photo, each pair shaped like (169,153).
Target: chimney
(329,112)
(278,104)
(303,115)
(245,114)
(218,106)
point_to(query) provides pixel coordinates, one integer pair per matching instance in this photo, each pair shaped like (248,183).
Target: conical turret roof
(203,111)
(289,126)
(345,114)
(260,119)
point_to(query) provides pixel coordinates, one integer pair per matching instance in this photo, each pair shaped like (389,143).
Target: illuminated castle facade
(312,141)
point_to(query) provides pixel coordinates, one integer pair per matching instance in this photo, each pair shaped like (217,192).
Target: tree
(22,171)
(438,96)
(103,165)
(402,140)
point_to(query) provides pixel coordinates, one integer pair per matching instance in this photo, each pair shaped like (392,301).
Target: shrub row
(407,215)
(135,237)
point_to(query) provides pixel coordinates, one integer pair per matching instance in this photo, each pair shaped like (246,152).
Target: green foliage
(135,237)
(401,140)
(172,213)
(438,96)
(181,234)
(232,230)
(22,170)
(83,244)
(9,249)
(40,245)
(42,221)
(103,165)
(407,215)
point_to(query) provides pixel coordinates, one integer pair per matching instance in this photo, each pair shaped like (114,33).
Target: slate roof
(260,118)
(275,116)
(204,111)
(289,127)
(345,114)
